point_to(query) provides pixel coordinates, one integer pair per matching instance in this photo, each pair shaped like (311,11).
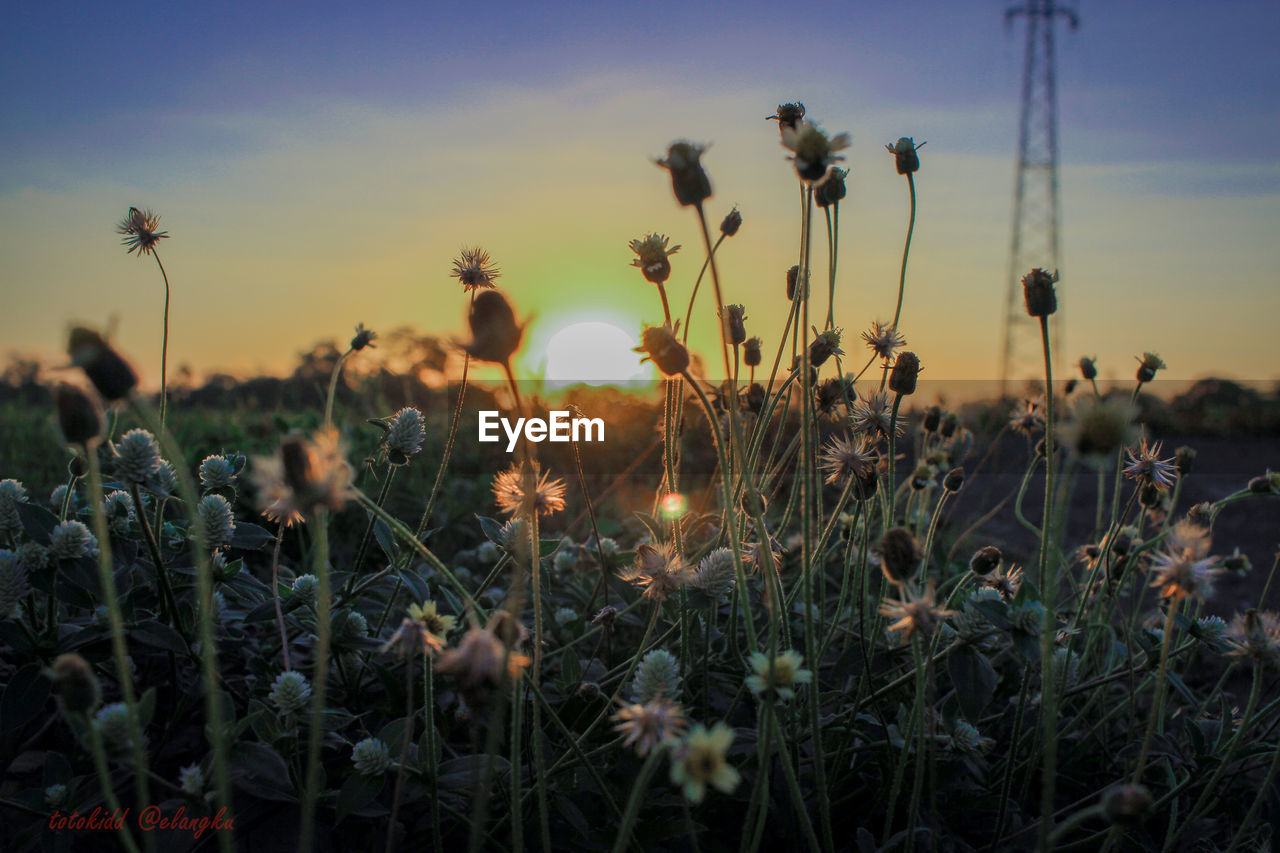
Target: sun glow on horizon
(591,352)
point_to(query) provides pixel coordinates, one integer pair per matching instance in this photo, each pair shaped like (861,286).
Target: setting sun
(592,353)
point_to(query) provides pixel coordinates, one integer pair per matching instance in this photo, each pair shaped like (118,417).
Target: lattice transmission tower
(1035,202)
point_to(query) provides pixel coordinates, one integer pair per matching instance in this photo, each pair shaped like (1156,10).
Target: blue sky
(293,149)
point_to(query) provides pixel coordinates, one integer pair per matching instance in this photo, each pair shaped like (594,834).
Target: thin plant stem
(320,678)
(906,249)
(104,779)
(275,593)
(164,344)
(448,442)
(406,737)
(367,539)
(333,388)
(635,800)
(1049,595)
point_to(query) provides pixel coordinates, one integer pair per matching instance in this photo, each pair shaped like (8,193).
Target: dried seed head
(734,329)
(474,270)
(140,229)
(647,725)
(74,681)
(715,574)
(916,614)
(689,180)
(515,488)
(1038,291)
(932,418)
(883,339)
(109,373)
(363,338)
(1088,368)
(825,345)
(954,480)
(793,277)
(661,346)
(1183,458)
(751,352)
(906,370)
(788,115)
(653,257)
(899,554)
(985,560)
(731,223)
(79,418)
(495,333)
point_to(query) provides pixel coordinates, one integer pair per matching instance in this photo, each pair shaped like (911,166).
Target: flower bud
(76,685)
(78,416)
(1088,369)
(954,480)
(734,330)
(788,115)
(363,338)
(218,520)
(495,334)
(1183,458)
(899,554)
(660,345)
(932,418)
(689,180)
(825,345)
(1147,367)
(658,674)
(290,692)
(832,189)
(109,373)
(1038,291)
(754,397)
(751,352)
(904,155)
(985,560)
(405,434)
(902,379)
(921,476)
(950,423)
(371,757)
(731,223)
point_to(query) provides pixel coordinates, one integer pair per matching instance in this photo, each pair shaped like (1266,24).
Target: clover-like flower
(290,692)
(778,676)
(647,725)
(700,760)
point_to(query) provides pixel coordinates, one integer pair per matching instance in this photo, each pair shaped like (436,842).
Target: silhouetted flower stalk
(904,151)
(139,229)
(313,781)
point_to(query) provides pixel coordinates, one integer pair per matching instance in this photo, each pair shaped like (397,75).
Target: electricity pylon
(1035,201)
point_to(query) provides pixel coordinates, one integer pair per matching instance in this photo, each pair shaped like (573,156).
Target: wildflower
(831,393)
(474,270)
(873,416)
(1088,368)
(731,223)
(653,257)
(899,554)
(79,419)
(75,684)
(967,740)
(646,725)
(139,229)
(1209,628)
(883,339)
(1028,418)
(12,493)
(1148,365)
(732,317)
(778,676)
(363,338)
(166,479)
(813,149)
(405,434)
(954,480)
(755,554)
(1183,568)
(353,627)
(1127,805)
(660,345)
(117,507)
(715,574)
(751,352)
(33,556)
(371,757)
(495,333)
(55,796)
(605,617)
(657,675)
(699,760)
(478,662)
(110,374)
(659,571)
(1255,636)
(71,540)
(904,153)
(1149,470)
(1038,292)
(218,520)
(915,614)
(424,630)
(511,490)
(825,345)
(1006,582)
(1098,429)
(788,115)
(112,722)
(136,457)
(906,370)
(290,692)
(217,472)
(844,458)
(191,780)
(831,189)
(689,180)
(305,475)
(304,589)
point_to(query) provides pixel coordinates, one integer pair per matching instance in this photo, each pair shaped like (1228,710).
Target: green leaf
(146,707)
(251,537)
(491,529)
(357,792)
(37,521)
(24,698)
(654,526)
(261,772)
(159,636)
(387,541)
(974,680)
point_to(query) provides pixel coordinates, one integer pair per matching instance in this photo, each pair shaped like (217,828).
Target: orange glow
(673,505)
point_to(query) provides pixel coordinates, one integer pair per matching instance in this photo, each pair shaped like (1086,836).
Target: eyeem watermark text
(560,426)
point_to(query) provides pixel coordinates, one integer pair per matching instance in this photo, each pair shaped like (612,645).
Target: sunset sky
(321,164)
